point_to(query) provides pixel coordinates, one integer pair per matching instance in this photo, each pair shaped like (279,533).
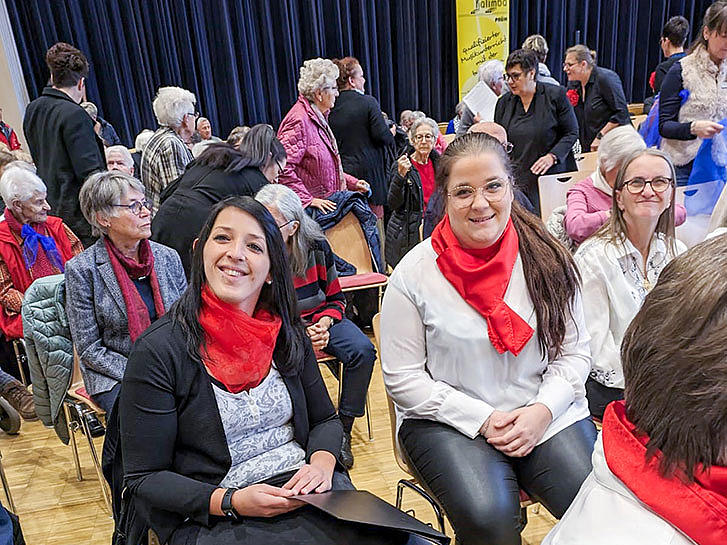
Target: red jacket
(11,254)
(313,159)
(13,144)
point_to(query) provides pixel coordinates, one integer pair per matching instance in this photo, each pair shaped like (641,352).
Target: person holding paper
(480,101)
(485,354)
(539,121)
(223,414)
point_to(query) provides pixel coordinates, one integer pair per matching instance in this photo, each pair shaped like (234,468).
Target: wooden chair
(348,242)
(553,189)
(587,161)
(443,127)
(328,360)
(76,406)
(412,483)
(636,109)
(638,120)
(6,486)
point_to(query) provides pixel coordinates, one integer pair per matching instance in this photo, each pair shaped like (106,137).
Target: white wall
(13,93)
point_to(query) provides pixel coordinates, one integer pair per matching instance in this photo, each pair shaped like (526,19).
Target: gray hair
(100,192)
(491,72)
(19,183)
(288,204)
(459,108)
(124,151)
(91,109)
(316,74)
(170,105)
(418,122)
(617,145)
(142,139)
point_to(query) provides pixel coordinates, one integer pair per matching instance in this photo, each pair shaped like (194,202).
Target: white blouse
(606,512)
(439,364)
(614,288)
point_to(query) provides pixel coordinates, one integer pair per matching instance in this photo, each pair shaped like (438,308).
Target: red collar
(698,509)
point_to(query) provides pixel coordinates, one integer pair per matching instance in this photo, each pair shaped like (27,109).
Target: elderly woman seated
(120,285)
(660,465)
(621,262)
(166,154)
(119,158)
(321,304)
(314,169)
(588,202)
(32,245)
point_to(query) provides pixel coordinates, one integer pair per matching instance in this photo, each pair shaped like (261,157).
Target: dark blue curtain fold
(241,57)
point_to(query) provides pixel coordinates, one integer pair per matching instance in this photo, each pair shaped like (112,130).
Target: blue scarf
(31,239)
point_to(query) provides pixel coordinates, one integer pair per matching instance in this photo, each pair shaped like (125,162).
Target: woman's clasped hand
(516,432)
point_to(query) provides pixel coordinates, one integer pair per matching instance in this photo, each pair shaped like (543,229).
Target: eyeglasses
(423,137)
(658,184)
(136,206)
(280,170)
(194,114)
(464,195)
(513,76)
(328,88)
(569,65)
(286,223)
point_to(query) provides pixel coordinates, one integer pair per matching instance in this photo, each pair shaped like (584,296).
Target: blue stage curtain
(241,57)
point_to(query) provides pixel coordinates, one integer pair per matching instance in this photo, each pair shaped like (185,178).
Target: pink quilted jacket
(313,161)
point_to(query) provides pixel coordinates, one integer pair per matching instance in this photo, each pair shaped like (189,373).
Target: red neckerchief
(481,277)
(125,270)
(698,509)
(239,347)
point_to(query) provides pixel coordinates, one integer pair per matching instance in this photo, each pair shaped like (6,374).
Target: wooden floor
(56,509)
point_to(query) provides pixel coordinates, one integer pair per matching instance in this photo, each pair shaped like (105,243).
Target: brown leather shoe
(21,400)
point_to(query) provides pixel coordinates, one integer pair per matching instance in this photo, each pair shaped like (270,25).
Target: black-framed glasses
(286,223)
(569,65)
(513,76)
(423,137)
(136,206)
(194,114)
(280,169)
(638,184)
(464,195)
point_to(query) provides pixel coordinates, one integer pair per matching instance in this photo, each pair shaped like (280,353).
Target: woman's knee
(495,521)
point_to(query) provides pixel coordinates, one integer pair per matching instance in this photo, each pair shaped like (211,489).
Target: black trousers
(479,486)
(599,396)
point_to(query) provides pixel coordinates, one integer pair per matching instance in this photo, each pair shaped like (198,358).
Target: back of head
(91,109)
(142,139)
(537,44)
(675,361)
(237,134)
(261,146)
(171,104)
(493,129)
(346,69)
(582,53)
(676,31)
(618,144)
(67,65)
(288,204)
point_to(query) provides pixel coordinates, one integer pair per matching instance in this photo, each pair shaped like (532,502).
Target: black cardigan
(172,438)
(183,213)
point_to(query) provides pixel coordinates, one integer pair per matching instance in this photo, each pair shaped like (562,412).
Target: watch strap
(226,506)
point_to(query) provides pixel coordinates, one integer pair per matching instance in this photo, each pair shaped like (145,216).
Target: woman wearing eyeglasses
(539,121)
(120,285)
(484,353)
(221,171)
(622,261)
(411,184)
(314,170)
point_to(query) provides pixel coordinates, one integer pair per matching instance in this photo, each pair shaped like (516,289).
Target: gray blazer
(97,314)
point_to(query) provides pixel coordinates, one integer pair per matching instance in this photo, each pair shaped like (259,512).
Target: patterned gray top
(259,431)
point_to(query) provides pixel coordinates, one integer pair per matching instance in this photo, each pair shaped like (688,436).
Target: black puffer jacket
(406,202)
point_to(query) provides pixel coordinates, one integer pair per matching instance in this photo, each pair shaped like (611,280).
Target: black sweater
(172,438)
(669,105)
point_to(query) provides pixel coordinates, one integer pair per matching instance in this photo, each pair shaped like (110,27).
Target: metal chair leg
(21,359)
(412,485)
(368,418)
(72,427)
(6,486)
(96,464)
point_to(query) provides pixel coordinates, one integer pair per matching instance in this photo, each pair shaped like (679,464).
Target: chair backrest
(638,120)
(348,242)
(587,161)
(636,109)
(553,188)
(376,324)
(448,138)
(443,126)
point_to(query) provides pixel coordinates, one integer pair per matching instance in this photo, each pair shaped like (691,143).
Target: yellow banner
(483,33)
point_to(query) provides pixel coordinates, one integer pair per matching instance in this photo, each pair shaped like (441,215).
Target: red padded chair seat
(359,280)
(83,393)
(524,496)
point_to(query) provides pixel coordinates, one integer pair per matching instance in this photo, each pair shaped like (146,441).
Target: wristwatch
(227,508)
(599,136)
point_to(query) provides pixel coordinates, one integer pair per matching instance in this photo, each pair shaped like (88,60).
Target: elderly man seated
(32,245)
(119,158)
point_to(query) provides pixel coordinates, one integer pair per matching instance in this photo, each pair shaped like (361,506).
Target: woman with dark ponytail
(485,353)
(221,171)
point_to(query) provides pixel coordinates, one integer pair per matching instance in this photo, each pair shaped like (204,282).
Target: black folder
(365,508)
